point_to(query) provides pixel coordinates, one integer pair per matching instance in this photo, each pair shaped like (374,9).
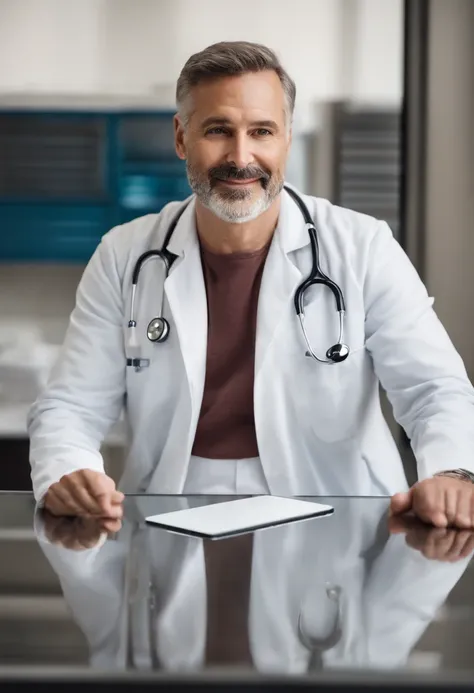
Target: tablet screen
(238,516)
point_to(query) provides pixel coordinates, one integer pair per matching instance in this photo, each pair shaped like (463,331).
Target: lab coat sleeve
(415,360)
(84,395)
(93,586)
(401,597)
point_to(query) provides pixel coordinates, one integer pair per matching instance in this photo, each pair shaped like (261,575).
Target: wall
(38,296)
(375,67)
(50,45)
(332,48)
(190,26)
(449,237)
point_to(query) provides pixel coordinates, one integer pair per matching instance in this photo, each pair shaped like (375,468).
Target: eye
(262,132)
(218,130)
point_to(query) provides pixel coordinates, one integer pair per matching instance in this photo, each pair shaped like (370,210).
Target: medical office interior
(383,124)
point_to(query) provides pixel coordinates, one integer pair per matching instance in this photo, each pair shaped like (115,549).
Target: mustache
(226,171)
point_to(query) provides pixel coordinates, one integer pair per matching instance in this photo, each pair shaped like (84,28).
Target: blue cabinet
(66,178)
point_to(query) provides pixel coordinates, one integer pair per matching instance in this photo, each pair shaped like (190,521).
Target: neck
(224,238)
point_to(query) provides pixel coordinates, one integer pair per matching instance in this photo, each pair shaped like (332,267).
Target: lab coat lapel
(280,277)
(186,294)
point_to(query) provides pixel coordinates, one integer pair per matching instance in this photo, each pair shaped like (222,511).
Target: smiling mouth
(233,181)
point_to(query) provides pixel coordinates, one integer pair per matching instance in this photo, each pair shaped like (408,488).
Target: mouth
(234,182)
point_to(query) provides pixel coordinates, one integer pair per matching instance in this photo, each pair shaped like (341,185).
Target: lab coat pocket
(332,397)
(153,387)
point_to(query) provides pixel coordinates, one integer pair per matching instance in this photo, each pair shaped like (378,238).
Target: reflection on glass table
(355,590)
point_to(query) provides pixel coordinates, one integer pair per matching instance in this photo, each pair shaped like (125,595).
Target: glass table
(354,599)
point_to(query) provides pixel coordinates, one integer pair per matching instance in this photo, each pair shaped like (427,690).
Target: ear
(179,137)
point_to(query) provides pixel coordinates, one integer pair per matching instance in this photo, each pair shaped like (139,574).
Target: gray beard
(233,206)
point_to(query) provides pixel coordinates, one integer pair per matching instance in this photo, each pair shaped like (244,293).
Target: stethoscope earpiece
(158,330)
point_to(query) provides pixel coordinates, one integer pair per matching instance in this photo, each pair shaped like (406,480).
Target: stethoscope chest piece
(338,353)
(158,330)
(318,645)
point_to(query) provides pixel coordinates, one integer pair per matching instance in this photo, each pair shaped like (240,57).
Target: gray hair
(231,58)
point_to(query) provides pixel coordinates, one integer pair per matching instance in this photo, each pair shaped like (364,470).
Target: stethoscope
(142,597)
(159,328)
(318,646)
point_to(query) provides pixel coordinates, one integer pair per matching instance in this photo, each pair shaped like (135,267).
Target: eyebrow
(225,121)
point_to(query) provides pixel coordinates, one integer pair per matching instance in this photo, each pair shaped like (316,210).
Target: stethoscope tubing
(158,328)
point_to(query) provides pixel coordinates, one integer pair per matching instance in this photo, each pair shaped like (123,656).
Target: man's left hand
(441,501)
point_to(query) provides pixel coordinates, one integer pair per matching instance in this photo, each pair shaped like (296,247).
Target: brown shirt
(226,427)
(228,577)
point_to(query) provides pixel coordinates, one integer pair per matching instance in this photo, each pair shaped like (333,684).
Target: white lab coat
(320,428)
(389,593)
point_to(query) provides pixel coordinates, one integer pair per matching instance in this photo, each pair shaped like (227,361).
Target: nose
(240,153)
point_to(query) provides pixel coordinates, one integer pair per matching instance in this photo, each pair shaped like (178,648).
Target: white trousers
(225,477)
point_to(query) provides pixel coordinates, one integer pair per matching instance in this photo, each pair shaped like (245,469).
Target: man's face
(236,143)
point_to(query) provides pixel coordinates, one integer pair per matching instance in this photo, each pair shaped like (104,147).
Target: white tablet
(240,516)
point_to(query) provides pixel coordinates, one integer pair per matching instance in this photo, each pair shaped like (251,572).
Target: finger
(69,542)
(80,494)
(86,544)
(111,526)
(413,540)
(450,506)
(397,525)
(443,540)
(435,542)
(417,535)
(118,497)
(428,504)
(61,531)
(401,503)
(88,540)
(403,524)
(52,504)
(114,513)
(468,547)
(60,502)
(458,541)
(101,487)
(88,531)
(463,512)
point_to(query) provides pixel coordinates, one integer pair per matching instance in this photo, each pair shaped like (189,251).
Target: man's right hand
(85,493)
(77,533)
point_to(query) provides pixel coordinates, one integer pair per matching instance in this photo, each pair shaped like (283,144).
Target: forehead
(252,96)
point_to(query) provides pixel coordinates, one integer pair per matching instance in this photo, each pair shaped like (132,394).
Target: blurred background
(383,124)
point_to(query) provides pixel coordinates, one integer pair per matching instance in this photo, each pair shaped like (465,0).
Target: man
(230,402)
